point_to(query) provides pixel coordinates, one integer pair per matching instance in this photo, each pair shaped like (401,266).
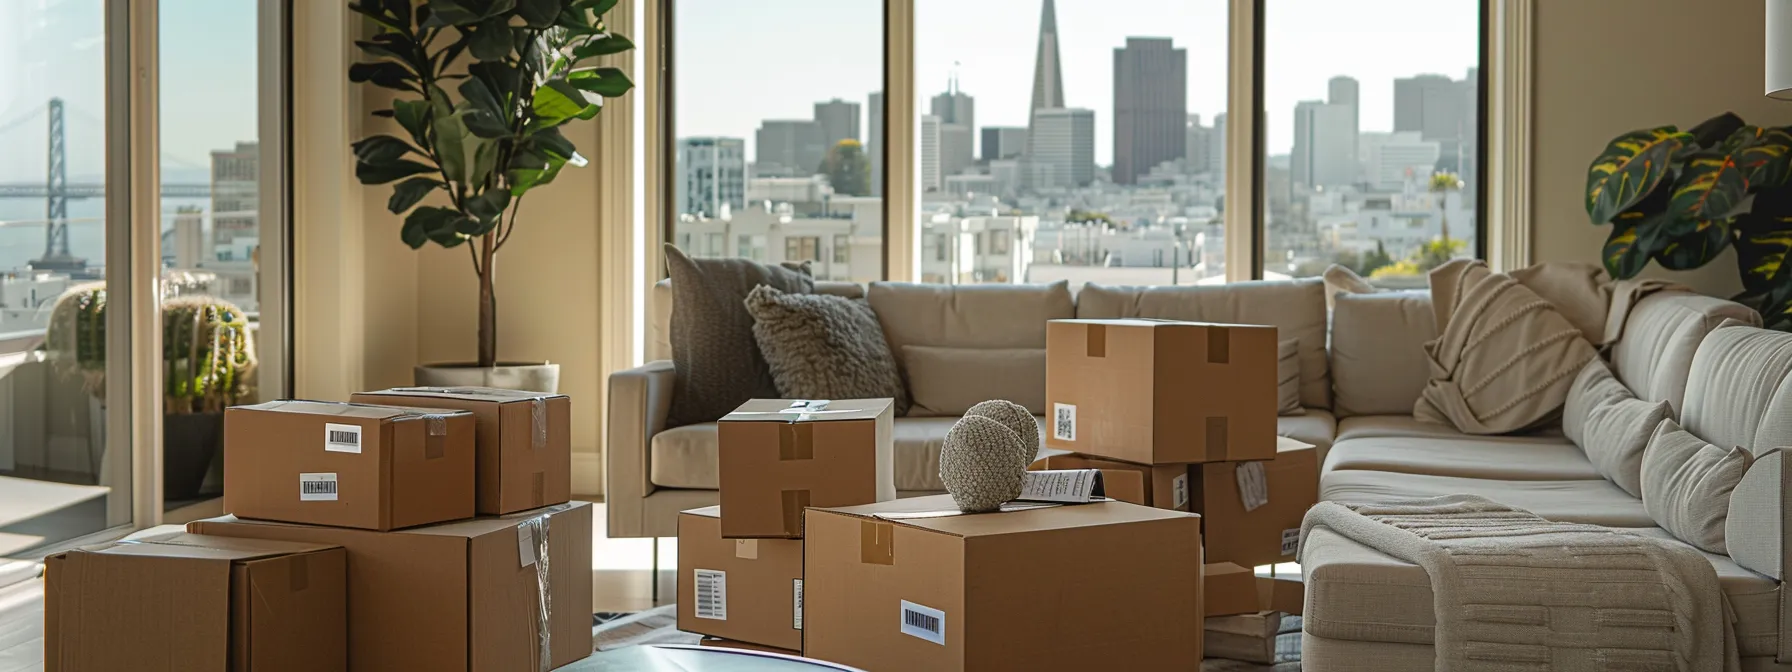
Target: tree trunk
(488,303)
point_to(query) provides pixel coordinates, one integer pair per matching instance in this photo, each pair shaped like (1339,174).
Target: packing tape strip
(544,584)
(435,444)
(877,543)
(794,501)
(1216,438)
(1219,345)
(538,423)
(796,441)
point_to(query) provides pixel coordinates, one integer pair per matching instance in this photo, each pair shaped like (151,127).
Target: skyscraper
(930,153)
(1198,145)
(1150,106)
(1433,105)
(788,148)
(1217,157)
(839,120)
(956,149)
(1324,144)
(712,173)
(1003,142)
(1344,91)
(1063,143)
(1048,78)
(874,142)
(955,106)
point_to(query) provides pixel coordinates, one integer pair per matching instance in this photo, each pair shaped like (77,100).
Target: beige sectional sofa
(1360,375)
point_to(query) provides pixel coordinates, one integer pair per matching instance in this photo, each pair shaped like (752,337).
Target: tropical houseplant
(525,74)
(1680,198)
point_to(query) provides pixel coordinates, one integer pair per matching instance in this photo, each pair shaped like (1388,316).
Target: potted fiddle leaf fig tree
(485,88)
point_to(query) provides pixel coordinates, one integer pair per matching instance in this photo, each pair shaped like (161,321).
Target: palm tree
(1441,184)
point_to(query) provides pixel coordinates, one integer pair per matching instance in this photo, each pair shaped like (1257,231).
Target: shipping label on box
(522,443)
(1164,486)
(780,456)
(1251,511)
(748,590)
(1161,391)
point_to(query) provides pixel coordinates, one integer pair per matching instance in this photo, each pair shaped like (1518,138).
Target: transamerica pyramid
(1048,84)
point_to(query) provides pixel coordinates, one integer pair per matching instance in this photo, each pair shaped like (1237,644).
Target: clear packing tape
(532,542)
(538,406)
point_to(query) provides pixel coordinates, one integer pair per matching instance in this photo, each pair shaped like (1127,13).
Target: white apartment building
(971,249)
(811,189)
(712,175)
(1390,159)
(844,243)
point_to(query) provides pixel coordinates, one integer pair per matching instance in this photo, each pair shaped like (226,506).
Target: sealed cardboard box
(721,643)
(522,447)
(779,456)
(750,590)
(467,596)
(1164,486)
(1251,511)
(1247,637)
(187,602)
(1228,589)
(1161,391)
(913,584)
(348,465)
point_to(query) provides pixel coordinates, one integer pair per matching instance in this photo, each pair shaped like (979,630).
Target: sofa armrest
(1760,525)
(639,399)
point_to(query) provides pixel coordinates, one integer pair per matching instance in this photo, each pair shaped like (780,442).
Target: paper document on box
(1067,486)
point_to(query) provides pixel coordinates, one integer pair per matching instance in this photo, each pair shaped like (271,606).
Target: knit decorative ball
(1017,418)
(978,464)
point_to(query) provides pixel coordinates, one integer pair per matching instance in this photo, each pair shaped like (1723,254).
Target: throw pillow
(716,363)
(1378,352)
(1611,425)
(824,347)
(1288,378)
(949,381)
(1687,485)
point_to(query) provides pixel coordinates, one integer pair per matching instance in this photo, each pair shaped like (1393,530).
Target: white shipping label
(317,487)
(1290,541)
(525,544)
(1068,486)
(712,594)
(1064,422)
(342,438)
(1179,492)
(797,615)
(924,622)
(1253,485)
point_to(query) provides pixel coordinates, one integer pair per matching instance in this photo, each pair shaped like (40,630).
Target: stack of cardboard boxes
(434,522)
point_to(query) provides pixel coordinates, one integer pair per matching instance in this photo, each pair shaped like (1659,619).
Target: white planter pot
(543,377)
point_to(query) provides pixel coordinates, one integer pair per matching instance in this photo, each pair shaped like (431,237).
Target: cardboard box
(1270,532)
(749,590)
(721,643)
(913,584)
(1228,589)
(348,465)
(462,596)
(1164,486)
(522,447)
(1247,637)
(1286,594)
(1160,391)
(187,602)
(775,462)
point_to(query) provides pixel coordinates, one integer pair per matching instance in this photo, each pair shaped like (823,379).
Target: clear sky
(740,62)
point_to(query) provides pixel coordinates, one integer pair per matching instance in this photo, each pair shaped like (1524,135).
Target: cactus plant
(77,336)
(208,353)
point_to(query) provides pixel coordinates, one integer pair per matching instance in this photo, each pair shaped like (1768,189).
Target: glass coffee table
(667,658)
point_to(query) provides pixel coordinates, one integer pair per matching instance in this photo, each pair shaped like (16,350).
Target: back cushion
(969,317)
(659,318)
(1379,365)
(1296,308)
(1739,392)
(1654,354)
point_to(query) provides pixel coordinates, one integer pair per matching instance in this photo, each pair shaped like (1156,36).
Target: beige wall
(1605,67)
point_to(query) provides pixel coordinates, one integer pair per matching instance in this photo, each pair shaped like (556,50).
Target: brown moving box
(775,462)
(1286,594)
(913,584)
(1161,391)
(523,445)
(348,465)
(1227,589)
(458,597)
(1247,637)
(721,643)
(192,603)
(750,590)
(1163,486)
(1269,532)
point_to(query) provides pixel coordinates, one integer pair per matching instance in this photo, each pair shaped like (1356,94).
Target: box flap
(939,514)
(808,410)
(491,394)
(347,410)
(205,547)
(483,525)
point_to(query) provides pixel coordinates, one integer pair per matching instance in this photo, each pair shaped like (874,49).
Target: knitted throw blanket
(1514,591)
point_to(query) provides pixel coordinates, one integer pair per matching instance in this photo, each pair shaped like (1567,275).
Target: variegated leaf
(1766,158)
(1626,253)
(1763,241)
(1710,188)
(1697,247)
(1629,169)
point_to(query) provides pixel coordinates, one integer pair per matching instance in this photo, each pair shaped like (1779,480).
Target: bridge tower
(56,255)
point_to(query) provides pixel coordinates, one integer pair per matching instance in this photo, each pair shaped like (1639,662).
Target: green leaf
(388,45)
(481,111)
(1623,256)
(538,13)
(1710,187)
(446,57)
(1629,169)
(606,82)
(381,173)
(558,102)
(381,149)
(602,45)
(372,10)
(485,158)
(1763,243)
(443,13)
(431,223)
(531,169)
(554,143)
(413,115)
(407,193)
(1766,158)
(598,7)
(1714,131)
(450,137)
(385,74)
(489,206)
(1696,248)
(491,39)
(501,79)
(576,21)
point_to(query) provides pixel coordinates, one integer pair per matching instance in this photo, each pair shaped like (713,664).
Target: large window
(1372,136)
(784,154)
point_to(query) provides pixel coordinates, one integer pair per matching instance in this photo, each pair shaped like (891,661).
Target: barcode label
(924,622)
(317,487)
(1064,422)
(797,616)
(342,438)
(1179,492)
(712,594)
(1290,541)
(1253,485)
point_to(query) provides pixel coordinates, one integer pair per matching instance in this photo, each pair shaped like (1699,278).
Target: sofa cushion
(1595,502)
(1296,308)
(685,457)
(1288,377)
(969,316)
(824,347)
(1687,483)
(1378,352)
(1466,456)
(1739,390)
(1357,593)
(1611,424)
(1315,426)
(718,365)
(1654,354)
(949,381)
(659,313)
(1364,426)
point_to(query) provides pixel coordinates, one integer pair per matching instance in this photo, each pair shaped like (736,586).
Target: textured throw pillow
(824,347)
(949,381)
(717,364)
(1687,485)
(1288,378)
(1611,425)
